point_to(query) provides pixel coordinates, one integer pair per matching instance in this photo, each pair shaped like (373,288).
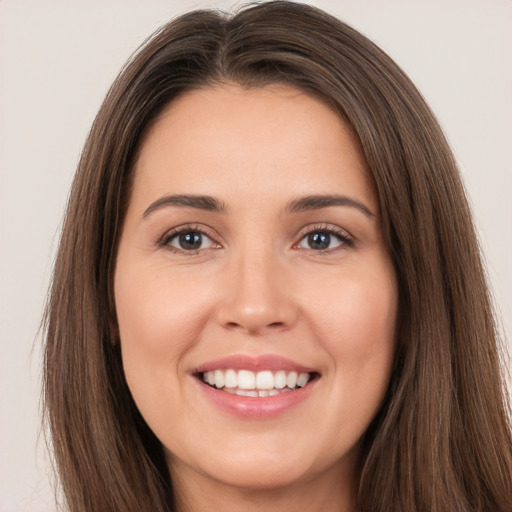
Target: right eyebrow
(317,202)
(207,203)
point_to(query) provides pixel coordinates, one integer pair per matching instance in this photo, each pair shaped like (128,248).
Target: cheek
(369,315)
(157,311)
(159,319)
(356,325)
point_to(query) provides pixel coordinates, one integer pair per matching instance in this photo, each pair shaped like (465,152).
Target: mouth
(260,384)
(256,387)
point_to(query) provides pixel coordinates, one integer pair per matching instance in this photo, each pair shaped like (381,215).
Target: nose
(257,296)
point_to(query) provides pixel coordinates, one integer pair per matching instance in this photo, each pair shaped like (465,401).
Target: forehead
(224,139)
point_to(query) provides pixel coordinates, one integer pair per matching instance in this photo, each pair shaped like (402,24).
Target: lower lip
(256,407)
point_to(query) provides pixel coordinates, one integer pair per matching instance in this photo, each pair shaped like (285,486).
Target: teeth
(302,380)
(231,380)
(248,383)
(246,379)
(219,378)
(280,379)
(264,380)
(291,379)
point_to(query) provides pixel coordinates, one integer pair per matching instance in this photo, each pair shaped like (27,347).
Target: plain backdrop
(57,60)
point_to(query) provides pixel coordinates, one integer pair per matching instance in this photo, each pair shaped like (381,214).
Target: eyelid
(164,239)
(347,239)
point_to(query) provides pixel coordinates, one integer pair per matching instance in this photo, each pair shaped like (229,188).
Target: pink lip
(254,363)
(254,407)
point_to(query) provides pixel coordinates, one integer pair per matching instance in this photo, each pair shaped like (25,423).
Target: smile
(255,384)
(255,387)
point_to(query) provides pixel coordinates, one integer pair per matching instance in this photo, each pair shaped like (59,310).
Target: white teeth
(231,380)
(210,378)
(280,379)
(302,380)
(219,378)
(265,382)
(291,379)
(246,379)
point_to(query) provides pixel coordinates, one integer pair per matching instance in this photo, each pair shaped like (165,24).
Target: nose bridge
(257,298)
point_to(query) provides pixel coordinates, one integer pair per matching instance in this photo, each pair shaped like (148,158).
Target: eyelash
(346,240)
(166,239)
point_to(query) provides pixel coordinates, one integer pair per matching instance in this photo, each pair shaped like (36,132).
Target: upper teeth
(246,379)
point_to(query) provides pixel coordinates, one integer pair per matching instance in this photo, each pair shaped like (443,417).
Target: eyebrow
(316,202)
(207,203)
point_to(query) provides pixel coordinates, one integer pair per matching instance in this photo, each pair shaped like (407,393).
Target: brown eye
(319,241)
(322,241)
(188,241)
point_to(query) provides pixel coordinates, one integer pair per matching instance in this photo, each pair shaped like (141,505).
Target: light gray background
(57,60)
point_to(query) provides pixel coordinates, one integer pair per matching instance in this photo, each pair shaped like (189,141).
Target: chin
(261,469)
(263,474)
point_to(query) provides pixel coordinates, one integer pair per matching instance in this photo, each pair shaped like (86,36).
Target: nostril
(272,325)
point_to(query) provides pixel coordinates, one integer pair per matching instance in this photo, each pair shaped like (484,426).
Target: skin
(255,286)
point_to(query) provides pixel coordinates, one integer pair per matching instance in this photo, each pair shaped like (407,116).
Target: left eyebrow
(317,202)
(207,203)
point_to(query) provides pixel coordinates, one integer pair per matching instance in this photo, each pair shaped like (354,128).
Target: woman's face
(252,258)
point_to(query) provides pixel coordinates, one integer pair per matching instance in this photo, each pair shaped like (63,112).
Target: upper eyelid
(331,228)
(185,228)
(347,240)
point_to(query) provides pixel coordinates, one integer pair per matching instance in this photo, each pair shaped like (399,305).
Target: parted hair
(441,440)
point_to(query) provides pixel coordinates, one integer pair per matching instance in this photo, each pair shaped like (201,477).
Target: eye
(325,240)
(188,240)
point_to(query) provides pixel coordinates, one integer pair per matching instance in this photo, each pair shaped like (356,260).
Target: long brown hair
(442,438)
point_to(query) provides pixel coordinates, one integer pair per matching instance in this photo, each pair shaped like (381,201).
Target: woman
(268,293)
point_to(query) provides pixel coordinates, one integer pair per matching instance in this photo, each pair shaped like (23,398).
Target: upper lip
(254,363)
